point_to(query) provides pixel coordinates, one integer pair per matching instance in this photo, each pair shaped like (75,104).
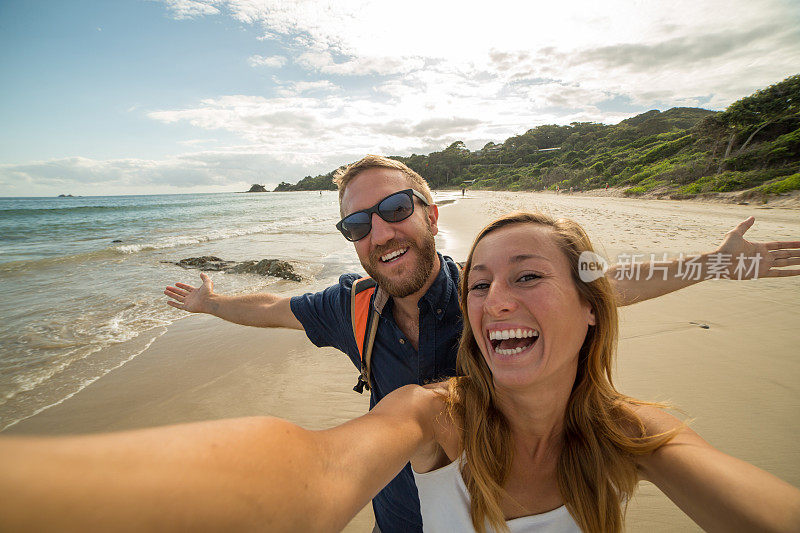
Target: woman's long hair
(596,469)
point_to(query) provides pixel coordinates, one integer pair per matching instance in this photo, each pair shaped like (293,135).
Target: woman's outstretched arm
(262,474)
(717,491)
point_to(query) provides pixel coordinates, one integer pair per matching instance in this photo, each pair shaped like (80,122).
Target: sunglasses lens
(356,226)
(396,207)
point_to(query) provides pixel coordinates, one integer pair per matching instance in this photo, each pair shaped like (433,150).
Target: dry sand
(738,379)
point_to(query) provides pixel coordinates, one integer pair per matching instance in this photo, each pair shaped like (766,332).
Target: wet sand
(738,379)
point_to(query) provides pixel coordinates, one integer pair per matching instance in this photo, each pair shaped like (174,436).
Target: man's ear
(433,218)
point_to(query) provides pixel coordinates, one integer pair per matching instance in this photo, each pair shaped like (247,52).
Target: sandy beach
(737,379)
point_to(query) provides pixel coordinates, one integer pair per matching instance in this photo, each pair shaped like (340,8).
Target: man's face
(400,256)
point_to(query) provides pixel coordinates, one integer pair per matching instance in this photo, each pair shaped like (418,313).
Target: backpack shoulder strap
(366,303)
(360,298)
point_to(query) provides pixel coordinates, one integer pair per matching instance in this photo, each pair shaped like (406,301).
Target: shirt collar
(441,291)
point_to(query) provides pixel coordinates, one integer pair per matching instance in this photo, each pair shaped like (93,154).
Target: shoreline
(790,200)
(737,379)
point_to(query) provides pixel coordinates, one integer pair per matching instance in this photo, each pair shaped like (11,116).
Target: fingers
(175,295)
(782,245)
(783,262)
(176,305)
(185,286)
(177,291)
(205,278)
(773,273)
(743,226)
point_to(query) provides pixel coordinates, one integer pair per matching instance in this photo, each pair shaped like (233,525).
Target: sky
(103,97)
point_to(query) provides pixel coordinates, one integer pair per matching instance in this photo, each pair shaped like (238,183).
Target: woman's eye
(528,277)
(479,286)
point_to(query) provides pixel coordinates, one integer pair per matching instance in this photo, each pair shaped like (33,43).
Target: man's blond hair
(343,176)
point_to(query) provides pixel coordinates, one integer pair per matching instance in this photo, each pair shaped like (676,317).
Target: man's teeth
(500,335)
(392,255)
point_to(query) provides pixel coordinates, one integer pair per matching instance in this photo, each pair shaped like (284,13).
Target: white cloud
(525,59)
(187,9)
(233,169)
(323,61)
(266,61)
(376,77)
(297,88)
(196,142)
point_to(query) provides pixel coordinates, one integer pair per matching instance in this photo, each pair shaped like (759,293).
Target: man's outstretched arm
(735,258)
(262,310)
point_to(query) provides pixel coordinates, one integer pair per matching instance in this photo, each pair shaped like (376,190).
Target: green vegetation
(323,182)
(789,183)
(753,145)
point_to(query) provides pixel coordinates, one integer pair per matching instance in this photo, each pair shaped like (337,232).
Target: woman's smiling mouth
(512,341)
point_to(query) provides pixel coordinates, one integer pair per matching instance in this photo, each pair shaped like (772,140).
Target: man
(419,327)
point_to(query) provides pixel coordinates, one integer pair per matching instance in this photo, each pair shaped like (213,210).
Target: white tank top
(444,502)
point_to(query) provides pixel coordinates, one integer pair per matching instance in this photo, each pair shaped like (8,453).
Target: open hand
(772,255)
(188,298)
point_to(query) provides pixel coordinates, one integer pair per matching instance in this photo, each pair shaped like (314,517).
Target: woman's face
(526,314)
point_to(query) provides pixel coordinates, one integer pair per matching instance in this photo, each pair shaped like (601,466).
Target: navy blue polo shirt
(325,316)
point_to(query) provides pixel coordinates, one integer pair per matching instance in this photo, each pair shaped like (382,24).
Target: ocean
(82,278)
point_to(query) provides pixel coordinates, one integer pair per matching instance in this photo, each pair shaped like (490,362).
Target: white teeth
(498,335)
(509,352)
(392,255)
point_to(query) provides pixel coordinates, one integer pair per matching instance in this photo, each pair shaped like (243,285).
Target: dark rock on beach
(206,262)
(265,267)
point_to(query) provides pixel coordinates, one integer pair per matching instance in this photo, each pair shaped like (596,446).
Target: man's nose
(500,299)
(382,231)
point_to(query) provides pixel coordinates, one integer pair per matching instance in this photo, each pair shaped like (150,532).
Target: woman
(536,416)
(533,436)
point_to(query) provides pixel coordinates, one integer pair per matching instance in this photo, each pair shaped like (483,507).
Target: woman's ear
(590,319)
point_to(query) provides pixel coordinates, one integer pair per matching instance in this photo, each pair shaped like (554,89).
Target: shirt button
(402,341)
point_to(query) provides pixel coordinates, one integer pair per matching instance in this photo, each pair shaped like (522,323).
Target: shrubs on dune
(754,143)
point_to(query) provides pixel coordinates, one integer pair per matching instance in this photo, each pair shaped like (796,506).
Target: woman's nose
(500,299)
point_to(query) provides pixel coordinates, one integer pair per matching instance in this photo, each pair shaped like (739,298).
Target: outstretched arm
(262,474)
(717,491)
(261,310)
(735,258)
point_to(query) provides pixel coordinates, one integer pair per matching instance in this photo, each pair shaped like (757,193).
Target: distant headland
(750,151)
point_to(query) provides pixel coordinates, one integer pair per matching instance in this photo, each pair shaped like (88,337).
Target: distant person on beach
(533,435)
(388,213)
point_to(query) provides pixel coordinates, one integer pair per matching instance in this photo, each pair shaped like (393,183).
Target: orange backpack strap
(365,313)
(366,304)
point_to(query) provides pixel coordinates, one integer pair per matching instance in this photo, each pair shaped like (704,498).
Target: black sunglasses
(394,208)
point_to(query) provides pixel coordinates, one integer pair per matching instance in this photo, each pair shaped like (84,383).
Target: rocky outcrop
(265,267)
(257,188)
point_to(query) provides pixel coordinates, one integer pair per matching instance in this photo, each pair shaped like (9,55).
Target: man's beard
(421,271)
